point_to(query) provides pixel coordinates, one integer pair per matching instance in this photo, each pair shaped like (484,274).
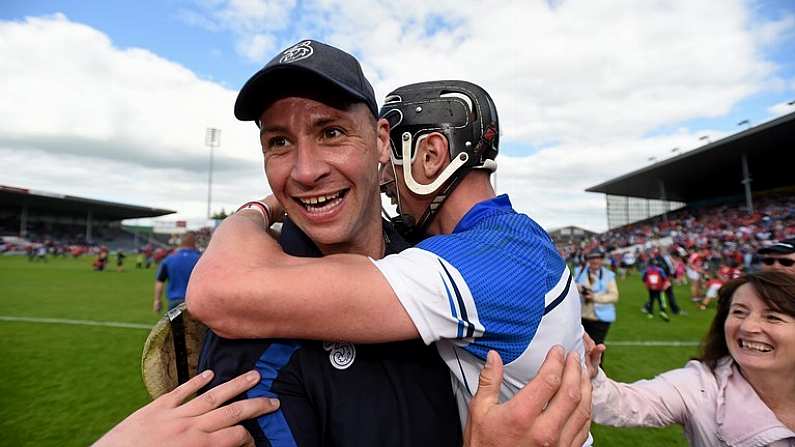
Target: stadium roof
(715,170)
(65,204)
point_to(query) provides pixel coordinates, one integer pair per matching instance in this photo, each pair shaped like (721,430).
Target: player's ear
(432,154)
(382,140)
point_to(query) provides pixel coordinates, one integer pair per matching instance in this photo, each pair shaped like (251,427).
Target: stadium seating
(727,229)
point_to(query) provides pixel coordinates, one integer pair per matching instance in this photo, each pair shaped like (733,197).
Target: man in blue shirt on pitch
(176,269)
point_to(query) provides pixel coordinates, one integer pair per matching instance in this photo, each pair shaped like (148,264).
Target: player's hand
(593,355)
(553,409)
(157,306)
(276,208)
(168,422)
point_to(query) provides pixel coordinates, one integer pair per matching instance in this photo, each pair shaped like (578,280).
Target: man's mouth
(322,203)
(754,346)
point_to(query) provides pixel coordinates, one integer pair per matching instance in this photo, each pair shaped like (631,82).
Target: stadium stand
(58,220)
(707,201)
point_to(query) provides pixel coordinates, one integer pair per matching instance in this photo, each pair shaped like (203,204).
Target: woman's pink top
(720,409)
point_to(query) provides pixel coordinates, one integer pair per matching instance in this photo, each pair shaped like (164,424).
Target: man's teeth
(320,200)
(755,346)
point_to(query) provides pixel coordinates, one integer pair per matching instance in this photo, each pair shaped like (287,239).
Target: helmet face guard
(463,112)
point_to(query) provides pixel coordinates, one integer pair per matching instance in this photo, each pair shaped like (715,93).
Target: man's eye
(332,132)
(276,142)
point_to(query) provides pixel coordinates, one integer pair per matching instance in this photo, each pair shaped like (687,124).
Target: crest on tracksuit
(341,355)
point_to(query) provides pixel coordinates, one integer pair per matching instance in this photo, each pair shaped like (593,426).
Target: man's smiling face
(322,165)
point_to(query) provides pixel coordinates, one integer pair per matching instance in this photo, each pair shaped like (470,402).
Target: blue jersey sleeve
(483,293)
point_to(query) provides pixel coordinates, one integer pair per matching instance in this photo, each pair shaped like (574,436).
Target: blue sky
(582,86)
(154,25)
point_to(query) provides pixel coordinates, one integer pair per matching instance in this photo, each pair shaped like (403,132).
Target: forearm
(158,290)
(645,403)
(244,286)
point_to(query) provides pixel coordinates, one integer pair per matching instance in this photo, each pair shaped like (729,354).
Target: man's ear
(433,155)
(382,140)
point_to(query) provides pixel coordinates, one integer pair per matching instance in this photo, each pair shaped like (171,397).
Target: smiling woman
(740,392)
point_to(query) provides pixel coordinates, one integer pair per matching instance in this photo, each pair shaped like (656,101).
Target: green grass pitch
(65,385)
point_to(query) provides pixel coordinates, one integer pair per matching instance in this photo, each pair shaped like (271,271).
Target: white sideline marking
(77,322)
(652,343)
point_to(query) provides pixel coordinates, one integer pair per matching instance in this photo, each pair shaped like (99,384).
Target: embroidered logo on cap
(341,355)
(297,52)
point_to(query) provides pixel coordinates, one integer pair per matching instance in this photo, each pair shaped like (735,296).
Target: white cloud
(588,82)
(254,15)
(780,109)
(100,178)
(567,70)
(580,71)
(70,95)
(769,33)
(253,22)
(548,185)
(257,47)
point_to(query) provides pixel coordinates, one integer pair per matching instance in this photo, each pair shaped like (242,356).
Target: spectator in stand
(739,392)
(727,229)
(599,292)
(656,281)
(176,269)
(779,256)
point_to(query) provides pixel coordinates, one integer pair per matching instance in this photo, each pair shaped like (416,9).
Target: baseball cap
(595,254)
(783,247)
(311,58)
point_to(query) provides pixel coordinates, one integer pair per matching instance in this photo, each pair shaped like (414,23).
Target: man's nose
(309,165)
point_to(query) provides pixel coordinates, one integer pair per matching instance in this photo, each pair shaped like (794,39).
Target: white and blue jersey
(497,282)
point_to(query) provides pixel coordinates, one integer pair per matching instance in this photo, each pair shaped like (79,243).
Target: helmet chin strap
(404,224)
